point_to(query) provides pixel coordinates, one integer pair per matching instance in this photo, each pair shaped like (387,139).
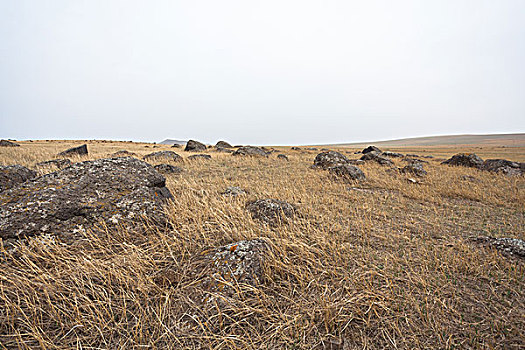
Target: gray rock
(233,191)
(12,175)
(112,191)
(392,154)
(251,151)
(329,159)
(200,157)
(282,156)
(502,166)
(58,163)
(176,145)
(511,246)
(271,211)
(6,143)
(347,172)
(371,149)
(195,146)
(163,155)
(223,144)
(467,160)
(295,148)
(376,157)
(168,169)
(224,150)
(74,151)
(414,169)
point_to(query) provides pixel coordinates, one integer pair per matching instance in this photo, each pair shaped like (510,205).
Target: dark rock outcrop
(371,149)
(282,156)
(195,146)
(199,157)
(511,246)
(271,211)
(58,163)
(113,191)
(329,159)
(168,169)
(376,157)
(12,175)
(176,145)
(74,151)
(347,172)
(502,166)
(250,151)
(6,143)
(392,154)
(467,160)
(163,155)
(414,168)
(223,144)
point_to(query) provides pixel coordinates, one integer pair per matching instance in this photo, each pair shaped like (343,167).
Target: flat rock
(195,146)
(329,159)
(113,191)
(250,151)
(163,155)
(465,159)
(347,172)
(271,211)
(200,157)
(74,151)
(6,143)
(12,175)
(57,163)
(168,169)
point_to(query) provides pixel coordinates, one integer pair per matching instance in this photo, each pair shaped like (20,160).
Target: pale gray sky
(260,72)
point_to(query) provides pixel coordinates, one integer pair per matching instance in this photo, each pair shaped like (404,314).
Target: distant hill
(172,142)
(507,140)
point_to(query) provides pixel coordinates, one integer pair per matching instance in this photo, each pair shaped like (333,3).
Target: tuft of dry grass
(383,263)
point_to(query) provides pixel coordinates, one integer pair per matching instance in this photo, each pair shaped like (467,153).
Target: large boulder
(376,157)
(223,144)
(271,211)
(6,143)
(465,159)
(502,166)
(12,175)
(195,146)
(371,149)
(347,172)
(113,191)
(250,151)
(329,159)
(74,151)
(163,155)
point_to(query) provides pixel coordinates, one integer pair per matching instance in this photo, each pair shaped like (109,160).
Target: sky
(275,72)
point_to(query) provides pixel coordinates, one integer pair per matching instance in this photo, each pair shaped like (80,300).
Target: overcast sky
(260,72)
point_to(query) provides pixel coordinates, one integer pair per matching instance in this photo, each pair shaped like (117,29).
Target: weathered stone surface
(200,157)
(347,172)
(124,153)
(392,154)
(511,246)
(163,155)
(233,191)
(168,169)
(113,190)
(371,149)
(58,163)
(271,211)
(75,151)
(282,156)
(223,144)
(502,166)
(329,159)
(376,157)
(467,160)
(224,150)
(195,146)
(414,168)
(12,175)
(250,151)
(6,143)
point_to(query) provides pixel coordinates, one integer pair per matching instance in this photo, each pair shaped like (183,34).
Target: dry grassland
(383,263)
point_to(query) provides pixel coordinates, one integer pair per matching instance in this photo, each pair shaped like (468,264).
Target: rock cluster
(6,143)
(250,151)
(471,160)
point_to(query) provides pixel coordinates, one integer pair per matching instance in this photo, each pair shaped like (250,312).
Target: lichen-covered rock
(113,190)
(58,163)
(250,151)
(512,246)
(168,169)
(376,157)
(271,211)
(347,172)
(6,143)
(74,151)
(200,157)
(467,160)
(502,166)
(12,175)
(414,168)
(392,154)
(329,159)
(163,155)
(195,146)
(371,149)
(223,144)
(233,191)
(124,153)
(282,156)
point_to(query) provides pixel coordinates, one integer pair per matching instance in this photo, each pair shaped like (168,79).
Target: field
(383,263)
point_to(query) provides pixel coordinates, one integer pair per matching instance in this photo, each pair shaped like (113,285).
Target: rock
(250,151)
(12,175)
(195,146)
(415,169)
(113,190)
(295,148)
(163,155)
(282,156)
(199,157)
(6,143)
(311,149)
(469,178)
(223,144)
(123,153)
(168,169)
(176,145)
(224,150)
(58,163)
(371,149)
(467,160)
(413,155)
(376,157)
(413,160)
(329,159)
(75,151)
(233,191)
(512,246)
(502,166)
(347,172)
(428,157)
(392,154)
(271,211)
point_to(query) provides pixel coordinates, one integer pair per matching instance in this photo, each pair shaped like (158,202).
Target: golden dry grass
(387,265)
